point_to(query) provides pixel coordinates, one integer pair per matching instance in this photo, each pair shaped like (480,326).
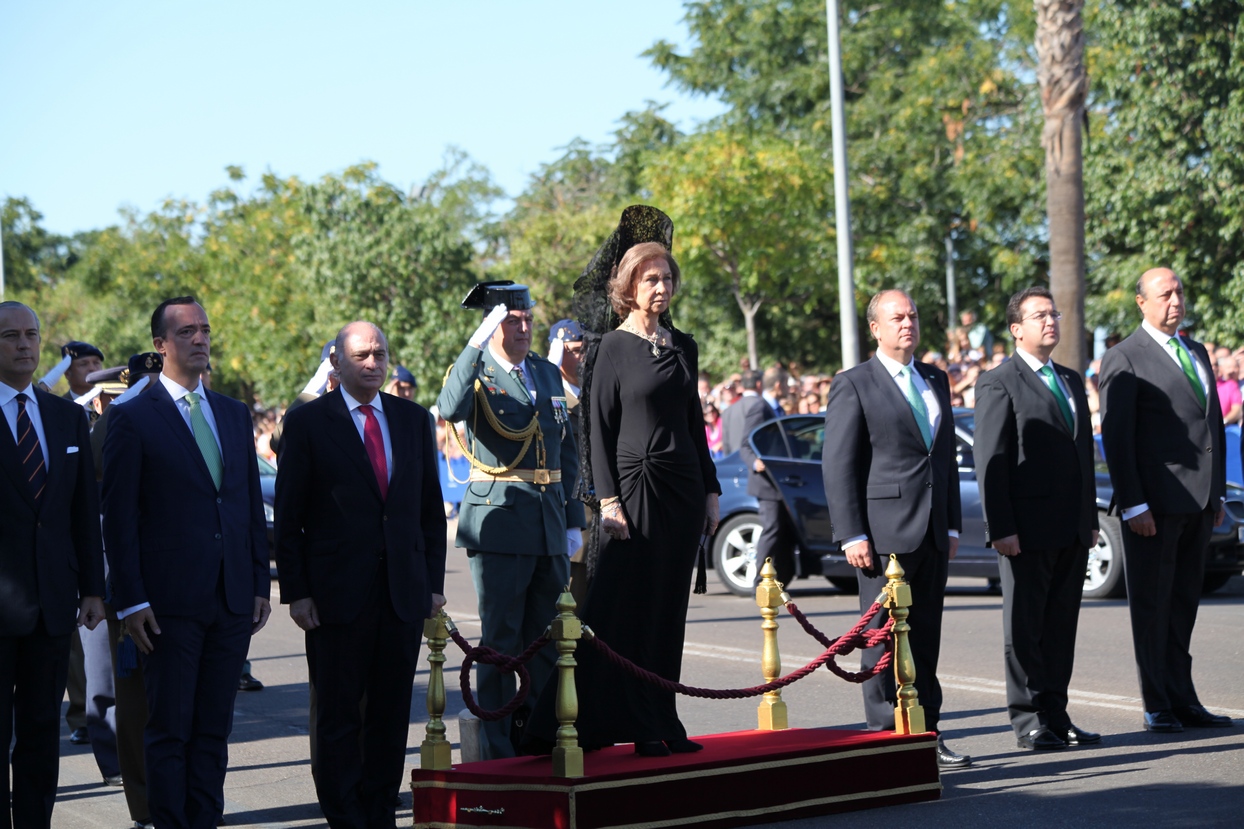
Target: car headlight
(269,514)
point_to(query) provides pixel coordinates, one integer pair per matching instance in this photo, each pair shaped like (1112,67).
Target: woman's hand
(612,521)
(712,513)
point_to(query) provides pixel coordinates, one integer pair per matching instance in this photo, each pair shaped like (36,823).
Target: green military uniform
(515,513)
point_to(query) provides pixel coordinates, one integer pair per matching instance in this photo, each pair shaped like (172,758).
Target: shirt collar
(894,366)
(1160,337)
(7,393)
(177,391)
(505,364)
(352,404)
(1033,363)
(750,393)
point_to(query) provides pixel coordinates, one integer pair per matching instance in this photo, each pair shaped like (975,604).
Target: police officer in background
(519,523)
(565,352)
(402,384)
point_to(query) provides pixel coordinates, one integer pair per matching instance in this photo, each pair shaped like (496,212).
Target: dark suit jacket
(167,531)
(51,558)
(1036,477)
(880,480)
(755,411)
(332,526)
(1162,448)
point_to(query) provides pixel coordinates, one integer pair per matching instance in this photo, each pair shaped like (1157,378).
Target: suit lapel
(228,436)
(163,403)
(946,418)
(54,432)
(1173,370)
(1038,387)
(345,434)
(888,388)
(403,444)
(12,465)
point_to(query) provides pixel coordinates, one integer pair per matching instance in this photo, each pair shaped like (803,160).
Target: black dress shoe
(1041,739)
(79,737)
(683,746)
(1073,735)
(652,748)
(1162,722)
(249,683)
(113,780)
(1195,716)
(947,759)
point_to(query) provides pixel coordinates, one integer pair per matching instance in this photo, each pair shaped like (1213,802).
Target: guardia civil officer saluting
(518,523)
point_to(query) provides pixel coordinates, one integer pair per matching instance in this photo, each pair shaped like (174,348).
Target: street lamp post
(848,323)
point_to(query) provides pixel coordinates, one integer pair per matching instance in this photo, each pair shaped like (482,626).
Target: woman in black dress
(658,491)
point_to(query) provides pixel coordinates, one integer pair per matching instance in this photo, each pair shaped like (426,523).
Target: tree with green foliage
(1164,173)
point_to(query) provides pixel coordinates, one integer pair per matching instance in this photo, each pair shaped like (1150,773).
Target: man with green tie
(519,521)
(1163,435)
(1034,462)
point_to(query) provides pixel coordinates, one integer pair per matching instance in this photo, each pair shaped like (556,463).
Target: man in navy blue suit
(186,543)
(50,566)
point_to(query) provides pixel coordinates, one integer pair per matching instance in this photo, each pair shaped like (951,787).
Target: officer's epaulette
(531,355)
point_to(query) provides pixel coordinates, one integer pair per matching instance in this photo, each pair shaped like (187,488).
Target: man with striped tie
(187,547)
(1034,458)
(893,487)
(51,566)
(1163,435)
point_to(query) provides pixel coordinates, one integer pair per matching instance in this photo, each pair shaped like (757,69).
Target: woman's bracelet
(609,503)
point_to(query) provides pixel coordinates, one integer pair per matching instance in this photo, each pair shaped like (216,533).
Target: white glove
(556,349)
(486,328)
(574,540)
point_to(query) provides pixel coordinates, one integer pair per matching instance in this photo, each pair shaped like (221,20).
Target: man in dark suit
(186,541)
(1163,435)
(893,487)
(1034,460)
(777,536)
(733,419)
(51,565)
(360,547)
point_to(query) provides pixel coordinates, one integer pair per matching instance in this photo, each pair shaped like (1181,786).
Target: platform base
(738,779)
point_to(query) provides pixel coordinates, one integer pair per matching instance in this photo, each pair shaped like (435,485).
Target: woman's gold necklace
(656,339)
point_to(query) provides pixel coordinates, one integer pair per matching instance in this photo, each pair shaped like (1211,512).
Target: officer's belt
(526,476)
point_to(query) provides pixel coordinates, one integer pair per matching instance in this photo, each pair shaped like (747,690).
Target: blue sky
(127,103)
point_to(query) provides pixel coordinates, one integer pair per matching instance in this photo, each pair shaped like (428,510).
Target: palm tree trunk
(1064,86)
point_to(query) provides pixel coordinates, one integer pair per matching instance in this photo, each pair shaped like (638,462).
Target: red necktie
(373,442)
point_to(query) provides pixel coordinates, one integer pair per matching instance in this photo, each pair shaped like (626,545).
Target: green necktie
(1185,360)
(917,405)
(205,440)
(1048,374)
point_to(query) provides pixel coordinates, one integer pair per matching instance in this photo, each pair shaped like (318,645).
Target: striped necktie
(29,450)
(205,440)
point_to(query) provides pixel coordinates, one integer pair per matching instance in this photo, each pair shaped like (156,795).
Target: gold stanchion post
(908,713)
(435,751)
(771,714)
(565,631)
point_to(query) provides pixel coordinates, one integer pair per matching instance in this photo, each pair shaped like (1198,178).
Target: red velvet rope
(849,641)
(510,664)
(856,636)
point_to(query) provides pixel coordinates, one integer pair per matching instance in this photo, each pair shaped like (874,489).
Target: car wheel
(734,552)
(1103,579)
(1213,581)
(849,586)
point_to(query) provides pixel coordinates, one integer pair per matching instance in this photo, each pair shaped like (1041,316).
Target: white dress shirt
(1163,340)
(360,421)
(8,403)
(934,409)
(508,368)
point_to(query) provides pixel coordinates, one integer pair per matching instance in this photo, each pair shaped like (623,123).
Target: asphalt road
(1194,779)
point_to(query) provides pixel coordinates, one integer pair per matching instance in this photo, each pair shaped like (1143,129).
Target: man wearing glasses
(1034,456)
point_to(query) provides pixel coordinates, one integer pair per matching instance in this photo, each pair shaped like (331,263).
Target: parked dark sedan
(267,486)
(791,449)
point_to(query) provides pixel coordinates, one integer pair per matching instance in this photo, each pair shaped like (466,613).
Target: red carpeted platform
(738,779)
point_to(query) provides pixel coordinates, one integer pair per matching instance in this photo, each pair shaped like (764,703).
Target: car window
(963,454)
(807,440)
(769,441)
